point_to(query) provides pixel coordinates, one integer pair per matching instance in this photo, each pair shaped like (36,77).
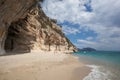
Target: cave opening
(16,40)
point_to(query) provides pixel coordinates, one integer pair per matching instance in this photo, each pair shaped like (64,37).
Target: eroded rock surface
(24,28)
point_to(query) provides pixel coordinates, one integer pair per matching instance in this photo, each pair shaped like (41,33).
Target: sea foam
(96,74)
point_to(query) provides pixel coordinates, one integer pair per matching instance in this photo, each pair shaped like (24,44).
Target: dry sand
(42,66)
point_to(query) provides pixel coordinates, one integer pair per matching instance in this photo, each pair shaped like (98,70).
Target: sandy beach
(42,66)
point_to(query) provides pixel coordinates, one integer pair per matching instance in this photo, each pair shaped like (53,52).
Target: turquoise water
(105,64)
(111,56)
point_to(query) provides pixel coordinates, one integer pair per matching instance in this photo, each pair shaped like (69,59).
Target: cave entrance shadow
(15,42)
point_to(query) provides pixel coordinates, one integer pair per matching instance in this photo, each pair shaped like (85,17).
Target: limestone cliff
(24,27)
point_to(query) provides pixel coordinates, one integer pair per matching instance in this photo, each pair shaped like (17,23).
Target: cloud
(102,44)
(102,17)
(67,10)
(86,42)
(70,30)
(89,38)
(107,12)
(77,12)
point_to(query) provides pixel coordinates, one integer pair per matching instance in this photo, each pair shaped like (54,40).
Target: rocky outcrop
(12,10)
(25,28)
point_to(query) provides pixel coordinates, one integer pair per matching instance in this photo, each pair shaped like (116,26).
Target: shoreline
(42,66)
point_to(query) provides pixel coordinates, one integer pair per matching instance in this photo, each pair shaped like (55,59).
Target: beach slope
(42,66)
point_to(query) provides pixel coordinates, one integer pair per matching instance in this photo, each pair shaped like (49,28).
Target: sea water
(105,65)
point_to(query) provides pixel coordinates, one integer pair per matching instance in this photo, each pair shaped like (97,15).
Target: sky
(88,23)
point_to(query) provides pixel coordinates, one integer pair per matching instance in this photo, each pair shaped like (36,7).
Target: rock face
(12,10)
(24,28)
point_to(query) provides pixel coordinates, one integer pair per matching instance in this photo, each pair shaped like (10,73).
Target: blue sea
(105,65)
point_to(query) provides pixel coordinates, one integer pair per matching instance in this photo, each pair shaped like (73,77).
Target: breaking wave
(96,74)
